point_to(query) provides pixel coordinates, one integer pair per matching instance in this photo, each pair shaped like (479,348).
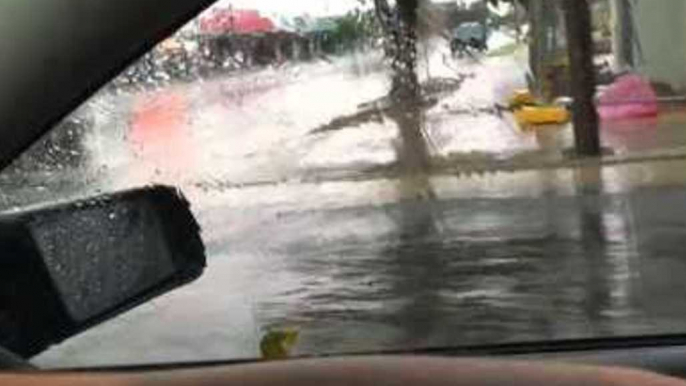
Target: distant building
(241,38)
(235,21)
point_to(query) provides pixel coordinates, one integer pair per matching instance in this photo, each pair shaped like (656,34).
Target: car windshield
(385,176)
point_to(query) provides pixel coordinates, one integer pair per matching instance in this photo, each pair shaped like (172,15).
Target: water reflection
(413,264)
(594,248)
(658,222)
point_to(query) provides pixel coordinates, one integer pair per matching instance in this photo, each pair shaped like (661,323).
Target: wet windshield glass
(382,175)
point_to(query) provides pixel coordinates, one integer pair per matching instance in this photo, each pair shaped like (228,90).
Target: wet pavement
(311,230)
(416,274)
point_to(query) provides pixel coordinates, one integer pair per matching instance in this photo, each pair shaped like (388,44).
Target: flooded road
(301,233)
(480,271)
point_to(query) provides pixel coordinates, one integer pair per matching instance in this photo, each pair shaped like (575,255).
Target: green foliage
(354,30)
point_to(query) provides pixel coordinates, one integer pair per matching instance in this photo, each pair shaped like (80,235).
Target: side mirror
(69,267)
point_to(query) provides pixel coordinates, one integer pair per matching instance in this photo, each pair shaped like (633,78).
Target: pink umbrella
(630,96)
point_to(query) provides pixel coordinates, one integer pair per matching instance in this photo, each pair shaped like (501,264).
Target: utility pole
(626,44)
(544,47)
(580,46)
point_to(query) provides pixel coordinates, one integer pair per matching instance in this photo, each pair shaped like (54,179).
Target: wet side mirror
(69,267)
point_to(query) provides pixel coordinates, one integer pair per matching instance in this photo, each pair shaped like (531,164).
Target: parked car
(469,36)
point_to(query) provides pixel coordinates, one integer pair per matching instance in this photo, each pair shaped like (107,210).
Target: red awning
(235,21)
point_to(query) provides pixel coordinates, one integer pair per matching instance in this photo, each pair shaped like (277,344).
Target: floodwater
(306,228)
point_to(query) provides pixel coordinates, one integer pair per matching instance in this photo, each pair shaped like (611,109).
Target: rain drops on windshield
(392,175)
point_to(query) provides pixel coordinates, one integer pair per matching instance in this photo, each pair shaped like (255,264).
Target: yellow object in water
(278,344)
(529,116)
(521,98)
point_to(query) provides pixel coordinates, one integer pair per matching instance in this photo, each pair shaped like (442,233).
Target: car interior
(62,52)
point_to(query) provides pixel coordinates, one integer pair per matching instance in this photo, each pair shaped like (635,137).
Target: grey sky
(296,7)
(299,7)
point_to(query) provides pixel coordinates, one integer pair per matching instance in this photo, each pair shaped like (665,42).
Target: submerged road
(360,265)
(417,274)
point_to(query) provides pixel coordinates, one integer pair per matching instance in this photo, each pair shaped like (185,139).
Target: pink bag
(630,96)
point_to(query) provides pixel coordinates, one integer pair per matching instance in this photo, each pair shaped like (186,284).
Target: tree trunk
(405,82)
(400,28)
(580,46)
